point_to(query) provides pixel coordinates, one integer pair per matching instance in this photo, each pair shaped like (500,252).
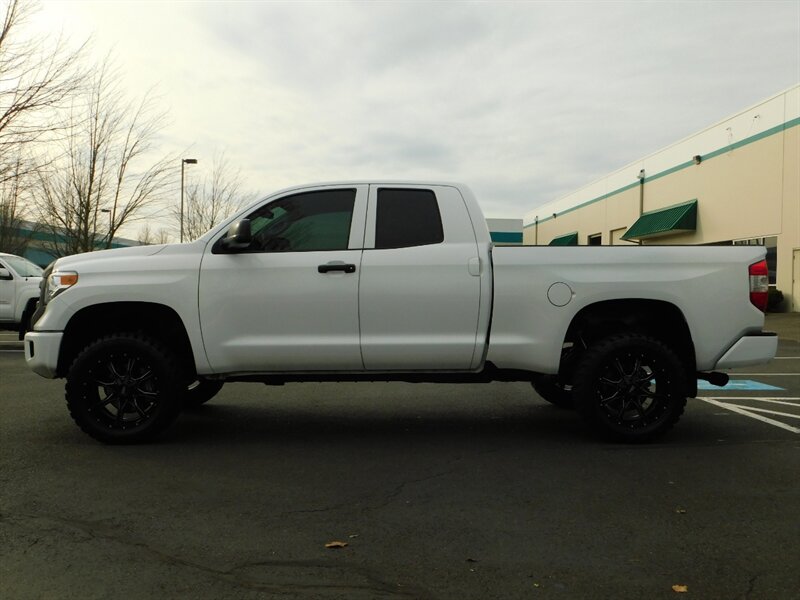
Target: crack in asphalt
(752,585)
(373,583)
(386,499)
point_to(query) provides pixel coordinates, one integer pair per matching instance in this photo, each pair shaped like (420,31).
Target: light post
(107,210)
(640,177)
(184,161)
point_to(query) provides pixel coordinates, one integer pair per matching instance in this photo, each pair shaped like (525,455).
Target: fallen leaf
(680,589)
(680,511)
(336,544)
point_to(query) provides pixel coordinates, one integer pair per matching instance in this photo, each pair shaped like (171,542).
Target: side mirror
(239,236)
(5,274)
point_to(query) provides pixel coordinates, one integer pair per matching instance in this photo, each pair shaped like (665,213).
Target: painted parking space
(749,385)
(768,394)
(762,409)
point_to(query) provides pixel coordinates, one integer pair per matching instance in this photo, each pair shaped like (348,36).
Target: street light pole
(108,239)
(184,161)
(107,210)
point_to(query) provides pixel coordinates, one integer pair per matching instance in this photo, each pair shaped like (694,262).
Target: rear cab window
(406,218)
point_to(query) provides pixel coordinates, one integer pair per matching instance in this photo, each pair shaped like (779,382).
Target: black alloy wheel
(123,389)
(631,386)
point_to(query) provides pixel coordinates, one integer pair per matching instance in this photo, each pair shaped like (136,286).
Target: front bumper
(750,350)
(41,352)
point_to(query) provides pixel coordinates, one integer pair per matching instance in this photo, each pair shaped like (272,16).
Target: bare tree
(147,236)
(215,198)
(36,80)
(15,231)
(105,165)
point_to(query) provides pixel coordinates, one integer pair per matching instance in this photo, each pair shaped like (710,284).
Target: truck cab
(19,291)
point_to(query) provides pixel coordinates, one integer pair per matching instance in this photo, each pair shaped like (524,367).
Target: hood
(131,252)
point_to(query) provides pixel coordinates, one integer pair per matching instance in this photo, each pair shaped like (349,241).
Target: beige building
(736,182)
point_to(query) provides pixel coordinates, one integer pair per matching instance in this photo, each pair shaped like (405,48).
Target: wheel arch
(657,318)
(155,320)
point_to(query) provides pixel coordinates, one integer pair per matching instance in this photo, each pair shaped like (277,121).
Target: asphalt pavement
(438,491)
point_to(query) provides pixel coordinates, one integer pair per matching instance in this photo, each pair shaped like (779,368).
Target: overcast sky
(524,102)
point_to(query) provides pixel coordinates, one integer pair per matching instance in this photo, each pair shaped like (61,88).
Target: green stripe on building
(690,163)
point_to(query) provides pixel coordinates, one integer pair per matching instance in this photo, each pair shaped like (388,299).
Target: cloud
(523,101)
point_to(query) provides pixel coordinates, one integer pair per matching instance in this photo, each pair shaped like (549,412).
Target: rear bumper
(41,352)
(750,350)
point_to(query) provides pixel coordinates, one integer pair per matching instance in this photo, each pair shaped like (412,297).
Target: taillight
(759,285)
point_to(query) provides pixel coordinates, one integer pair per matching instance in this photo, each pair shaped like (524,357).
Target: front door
(289,302)
(7,294)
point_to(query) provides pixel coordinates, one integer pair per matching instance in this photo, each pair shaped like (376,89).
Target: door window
(311,221)
(23,267)
(407,217)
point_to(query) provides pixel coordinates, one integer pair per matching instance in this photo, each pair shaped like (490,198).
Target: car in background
(19,291)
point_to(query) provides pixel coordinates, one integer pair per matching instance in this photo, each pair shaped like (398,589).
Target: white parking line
(771,401)
(764,398)
(764,374)
(747,413)
(766,411)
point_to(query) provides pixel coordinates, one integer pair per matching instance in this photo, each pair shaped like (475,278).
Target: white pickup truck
(19,291)
(393,282)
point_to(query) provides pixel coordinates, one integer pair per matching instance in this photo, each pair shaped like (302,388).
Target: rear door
(419,291)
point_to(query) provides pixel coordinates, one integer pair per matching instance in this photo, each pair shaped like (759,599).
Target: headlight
(58,282)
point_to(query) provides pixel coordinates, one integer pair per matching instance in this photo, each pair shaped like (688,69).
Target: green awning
(679,218)
(569,239)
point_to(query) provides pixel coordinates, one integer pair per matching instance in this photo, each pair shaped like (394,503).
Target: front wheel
(630,386)
(122,389)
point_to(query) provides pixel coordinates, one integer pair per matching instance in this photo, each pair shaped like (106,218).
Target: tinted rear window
(406,217)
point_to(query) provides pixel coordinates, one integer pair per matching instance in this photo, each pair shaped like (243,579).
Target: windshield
(22,266)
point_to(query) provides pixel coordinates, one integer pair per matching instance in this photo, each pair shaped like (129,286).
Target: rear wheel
(549,388)
(123,389)
(630,386)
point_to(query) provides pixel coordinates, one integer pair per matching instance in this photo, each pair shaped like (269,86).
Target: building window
(615,237)
(595,240)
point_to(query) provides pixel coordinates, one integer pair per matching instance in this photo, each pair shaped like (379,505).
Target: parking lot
(460,491)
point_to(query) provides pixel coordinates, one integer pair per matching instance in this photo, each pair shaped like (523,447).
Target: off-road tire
(200,392)
(25,321)
(124,388)
(549,388)
(631,387)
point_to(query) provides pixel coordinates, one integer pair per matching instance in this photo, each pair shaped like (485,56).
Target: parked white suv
(19,291)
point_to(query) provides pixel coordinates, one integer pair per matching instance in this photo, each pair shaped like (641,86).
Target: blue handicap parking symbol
(747,385)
